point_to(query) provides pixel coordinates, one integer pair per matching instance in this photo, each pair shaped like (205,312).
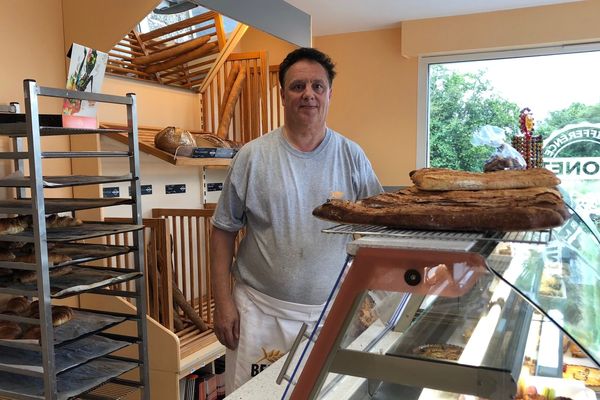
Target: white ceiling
(343,16)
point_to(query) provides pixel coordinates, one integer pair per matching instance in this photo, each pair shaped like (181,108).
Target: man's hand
(227,324)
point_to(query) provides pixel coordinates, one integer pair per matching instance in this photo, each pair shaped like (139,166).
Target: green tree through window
(459,105)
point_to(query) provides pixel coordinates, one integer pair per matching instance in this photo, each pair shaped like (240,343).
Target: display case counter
(447,315)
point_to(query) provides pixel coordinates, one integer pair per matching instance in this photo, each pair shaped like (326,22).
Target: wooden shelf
(146,138)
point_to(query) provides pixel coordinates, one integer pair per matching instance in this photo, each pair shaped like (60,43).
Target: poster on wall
(86,73)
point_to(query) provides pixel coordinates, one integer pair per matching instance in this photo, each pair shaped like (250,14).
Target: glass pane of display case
(484,318)
(561,278)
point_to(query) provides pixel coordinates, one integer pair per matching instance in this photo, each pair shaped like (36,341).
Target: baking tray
(79,253)
(50,125)
(81,279)
(58,205)
(534,237)
(71,383)
(65,357)
(83,323)
(87,230)
(63,181)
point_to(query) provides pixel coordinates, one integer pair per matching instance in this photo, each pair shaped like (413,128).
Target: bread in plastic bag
(505,156)
(170,138)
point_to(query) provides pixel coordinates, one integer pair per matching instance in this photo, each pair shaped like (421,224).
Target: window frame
(422,157)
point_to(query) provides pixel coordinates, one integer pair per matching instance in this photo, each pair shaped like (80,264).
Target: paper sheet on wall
(86,74)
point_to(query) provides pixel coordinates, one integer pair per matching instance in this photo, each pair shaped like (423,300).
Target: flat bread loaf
(447,179)
(484,210)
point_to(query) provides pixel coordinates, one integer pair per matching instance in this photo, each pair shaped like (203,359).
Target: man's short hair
(307,53)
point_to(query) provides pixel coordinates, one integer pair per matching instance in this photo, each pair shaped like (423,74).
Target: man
(285,266)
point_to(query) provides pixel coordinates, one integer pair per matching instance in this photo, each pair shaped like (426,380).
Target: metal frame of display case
(401,261)
(32,130)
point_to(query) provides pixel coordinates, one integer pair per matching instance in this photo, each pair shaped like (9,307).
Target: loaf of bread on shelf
(9,330)
(6,255)
(481,210)
(12,225)
(447,179)
(18,305)
(211,140)
(53,258)
(31,276)
(57,221)
(60,314)
(32,333)
(170,138)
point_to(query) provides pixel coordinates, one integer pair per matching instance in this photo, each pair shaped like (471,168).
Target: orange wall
(374,99)
(157,105)
(32,48)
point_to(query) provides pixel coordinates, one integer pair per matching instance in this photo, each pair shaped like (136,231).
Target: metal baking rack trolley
(79,358)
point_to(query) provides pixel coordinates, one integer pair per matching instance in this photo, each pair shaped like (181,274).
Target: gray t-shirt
(272,189)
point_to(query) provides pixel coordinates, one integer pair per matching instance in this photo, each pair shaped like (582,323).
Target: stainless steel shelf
(58,205)
(536,237)
(53,380)
(87,230)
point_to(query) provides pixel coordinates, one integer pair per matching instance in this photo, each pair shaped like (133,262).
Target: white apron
(268,327)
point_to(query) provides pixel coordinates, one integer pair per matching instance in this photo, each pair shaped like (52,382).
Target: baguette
(459,218)
(486,210)
(447,179)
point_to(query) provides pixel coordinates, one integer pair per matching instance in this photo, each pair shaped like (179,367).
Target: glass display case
(449,315)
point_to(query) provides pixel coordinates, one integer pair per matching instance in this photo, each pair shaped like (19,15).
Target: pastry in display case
(457,315)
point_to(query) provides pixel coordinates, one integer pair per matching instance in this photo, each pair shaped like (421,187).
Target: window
(560,85)
(155,21)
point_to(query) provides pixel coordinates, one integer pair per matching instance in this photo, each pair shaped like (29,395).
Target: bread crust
(447,179)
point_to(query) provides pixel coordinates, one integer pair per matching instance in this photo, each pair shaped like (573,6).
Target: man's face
(306,95)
